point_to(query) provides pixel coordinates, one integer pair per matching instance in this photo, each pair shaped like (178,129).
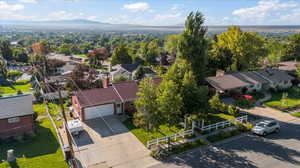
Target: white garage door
(98,111)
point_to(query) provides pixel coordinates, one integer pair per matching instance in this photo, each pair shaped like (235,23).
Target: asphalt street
(277,150)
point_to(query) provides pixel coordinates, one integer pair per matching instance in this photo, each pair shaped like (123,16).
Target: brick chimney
(105,82)
(220,73)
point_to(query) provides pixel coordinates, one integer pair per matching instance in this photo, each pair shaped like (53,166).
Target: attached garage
(98,111)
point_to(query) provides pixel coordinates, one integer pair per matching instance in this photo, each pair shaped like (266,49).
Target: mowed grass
(43,151)
(40,109)
(296,114)
(145,136)
(292,100)
(164,130)
(15,88)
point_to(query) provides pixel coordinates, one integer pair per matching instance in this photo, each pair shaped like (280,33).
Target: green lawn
(145,136)
(218,117)
(40,109)
(293,99)
(42,151)
(81,55)
(296,114)
(15,88)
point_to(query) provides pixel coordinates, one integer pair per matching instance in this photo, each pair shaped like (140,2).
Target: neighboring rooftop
(129,67)
(288,65)
(243,79)
(226,82)
(16,106)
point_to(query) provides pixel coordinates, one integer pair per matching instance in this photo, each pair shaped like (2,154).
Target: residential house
(129,71)
(69,66)
(126,70)
(16,115)
(288,66)
(113,99)
(251,81)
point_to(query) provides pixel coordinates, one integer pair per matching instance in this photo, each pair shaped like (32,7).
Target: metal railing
(157,141)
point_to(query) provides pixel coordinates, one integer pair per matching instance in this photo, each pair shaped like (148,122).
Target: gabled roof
(288,65)
(129,67)
(274,75)
(16,106)
(97,96)
(118,92)
(126,90)
(243,79)
(226,82)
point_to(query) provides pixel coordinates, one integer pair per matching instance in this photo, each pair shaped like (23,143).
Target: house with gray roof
(16,115)
(251,81)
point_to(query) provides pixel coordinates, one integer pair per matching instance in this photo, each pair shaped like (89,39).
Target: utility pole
(61,102)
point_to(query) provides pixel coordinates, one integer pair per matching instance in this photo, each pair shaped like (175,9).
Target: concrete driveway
(280,150)
(108,143)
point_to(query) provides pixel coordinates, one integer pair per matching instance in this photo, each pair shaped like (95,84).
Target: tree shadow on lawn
(43,143)
(14,165)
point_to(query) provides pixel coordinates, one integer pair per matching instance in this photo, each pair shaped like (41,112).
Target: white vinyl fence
(222,124)
(157,141)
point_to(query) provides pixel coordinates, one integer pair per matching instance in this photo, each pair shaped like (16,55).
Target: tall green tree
(147,115)
(193,45)
(275,51)
(6,50)
(194,97)
(169,102)
(292,48)
(3,67)
(121,55)
(171,43)
(246,48)
(20,55)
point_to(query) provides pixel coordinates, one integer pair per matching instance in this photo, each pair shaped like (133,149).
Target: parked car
(266,127)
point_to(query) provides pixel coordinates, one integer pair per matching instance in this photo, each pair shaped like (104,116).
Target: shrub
(244,127)
(223,135)
(233,110)
(189,145)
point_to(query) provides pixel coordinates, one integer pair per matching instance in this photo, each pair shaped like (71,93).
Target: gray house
(251,81)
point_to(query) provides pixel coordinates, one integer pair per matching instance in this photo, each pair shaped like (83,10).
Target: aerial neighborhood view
(149,84)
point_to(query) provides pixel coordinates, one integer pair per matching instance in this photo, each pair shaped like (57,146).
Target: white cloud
(64,15)
(11,12)
(137,7)
(4,6)
(29,1)
(61,15)
(264,9)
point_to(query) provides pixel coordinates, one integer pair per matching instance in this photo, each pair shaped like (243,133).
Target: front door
(119,108)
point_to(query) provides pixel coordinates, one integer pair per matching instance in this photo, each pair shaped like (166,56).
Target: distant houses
(251,81)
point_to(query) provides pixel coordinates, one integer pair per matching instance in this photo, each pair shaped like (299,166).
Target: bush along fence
(219,125)
(200,126)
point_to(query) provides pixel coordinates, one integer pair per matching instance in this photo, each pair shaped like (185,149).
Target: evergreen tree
(193,45)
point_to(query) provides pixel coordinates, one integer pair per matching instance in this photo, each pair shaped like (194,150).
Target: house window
(13,120)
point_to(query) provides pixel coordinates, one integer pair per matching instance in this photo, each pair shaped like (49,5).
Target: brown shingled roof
(126,90)
(97,97)
(226,82)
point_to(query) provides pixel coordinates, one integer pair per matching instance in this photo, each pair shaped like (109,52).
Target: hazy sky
(155,12)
